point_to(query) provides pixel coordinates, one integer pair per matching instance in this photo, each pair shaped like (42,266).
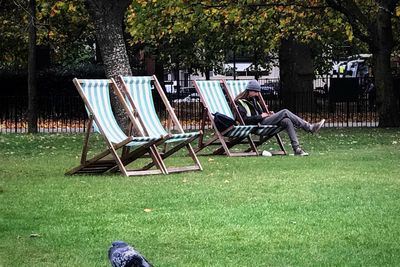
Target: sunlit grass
(337,207)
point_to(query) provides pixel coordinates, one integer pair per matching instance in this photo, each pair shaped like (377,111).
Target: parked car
(270,89)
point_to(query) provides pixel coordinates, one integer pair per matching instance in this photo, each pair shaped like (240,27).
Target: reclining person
(252,113)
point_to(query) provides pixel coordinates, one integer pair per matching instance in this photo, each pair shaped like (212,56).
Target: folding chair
(95,94)
(137,93)
(213,100)
(233,88)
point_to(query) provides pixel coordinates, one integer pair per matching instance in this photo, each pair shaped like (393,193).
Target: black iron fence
(342,104)
(55,114)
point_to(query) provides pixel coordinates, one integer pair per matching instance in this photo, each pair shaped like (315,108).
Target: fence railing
(67,113)
(55,114)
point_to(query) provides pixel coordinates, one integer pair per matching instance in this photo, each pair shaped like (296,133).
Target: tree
(69,45)
(32,90)
(174,36)
(200,33)
(296,74)
(108,17)
(61,26)
(13,37)
(372,23)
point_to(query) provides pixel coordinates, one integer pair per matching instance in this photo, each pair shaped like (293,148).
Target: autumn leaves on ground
(339,206)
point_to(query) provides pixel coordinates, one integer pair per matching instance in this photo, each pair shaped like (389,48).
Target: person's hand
(265,115)
(268,111)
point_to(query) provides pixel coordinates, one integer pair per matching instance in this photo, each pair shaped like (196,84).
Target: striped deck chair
(95,94)
(233,88)
(213,100)
(137,93)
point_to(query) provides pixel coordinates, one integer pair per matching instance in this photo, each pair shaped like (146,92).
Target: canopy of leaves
(63,26)
(14,34)
(194,34)
(198,34)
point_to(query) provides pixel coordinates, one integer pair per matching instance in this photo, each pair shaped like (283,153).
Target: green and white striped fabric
(235,87)
(98,97)
(213,95)
(139,88)
(267,130)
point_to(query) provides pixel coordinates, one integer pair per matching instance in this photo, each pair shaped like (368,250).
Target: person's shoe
(300,152)
(315,127)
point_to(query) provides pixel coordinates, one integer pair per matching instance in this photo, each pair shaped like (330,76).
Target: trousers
(289,121)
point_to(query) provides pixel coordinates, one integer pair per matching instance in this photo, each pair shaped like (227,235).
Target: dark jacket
(246,106)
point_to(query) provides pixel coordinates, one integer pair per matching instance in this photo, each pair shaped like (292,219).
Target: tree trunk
(32,87)
(177,78)
(108,19)
(160,73)
(207,73)
(296,75)
(387,94)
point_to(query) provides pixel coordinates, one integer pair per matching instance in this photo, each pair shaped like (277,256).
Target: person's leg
(288,125)
(296,120)
(289,121)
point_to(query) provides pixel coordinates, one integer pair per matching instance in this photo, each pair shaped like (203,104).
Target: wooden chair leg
(85,147)
(280,143)
(203,126)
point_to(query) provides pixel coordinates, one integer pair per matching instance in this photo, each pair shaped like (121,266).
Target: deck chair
(213,100)
(137,93)
(233,88)
(95,94)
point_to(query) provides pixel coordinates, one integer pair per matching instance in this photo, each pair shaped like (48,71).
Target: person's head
(253,88)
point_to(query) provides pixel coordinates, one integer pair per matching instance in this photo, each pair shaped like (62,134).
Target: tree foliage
(62,26)
(199,33)
(14,34)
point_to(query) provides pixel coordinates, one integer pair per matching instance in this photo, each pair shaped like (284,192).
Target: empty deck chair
(95,94)
(137,93)
(233,88)
(213,100)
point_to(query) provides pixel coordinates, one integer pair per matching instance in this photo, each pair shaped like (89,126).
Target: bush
(54,80)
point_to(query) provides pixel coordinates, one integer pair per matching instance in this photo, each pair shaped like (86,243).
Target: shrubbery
(55,80)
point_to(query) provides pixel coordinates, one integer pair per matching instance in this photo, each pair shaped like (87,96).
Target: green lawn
(338,207)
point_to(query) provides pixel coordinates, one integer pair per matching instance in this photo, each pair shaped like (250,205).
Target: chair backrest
(139,90)
(96,95)
(214,98)
(235,87)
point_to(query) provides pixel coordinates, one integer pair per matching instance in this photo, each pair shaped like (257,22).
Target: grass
(338,207)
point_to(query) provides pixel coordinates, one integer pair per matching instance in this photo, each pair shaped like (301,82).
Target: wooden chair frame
(124,95)
(99,163)
(262,138)
(219,138)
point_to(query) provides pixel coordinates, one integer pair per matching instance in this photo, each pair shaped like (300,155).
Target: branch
(305,6)
(389,7)
(355,18)
(31,16)
(392,5)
